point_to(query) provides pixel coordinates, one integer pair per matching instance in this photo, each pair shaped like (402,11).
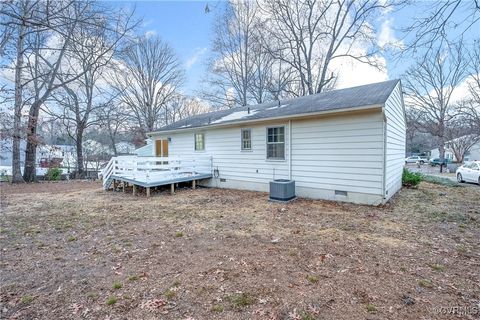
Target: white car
(415,159)
(469,172)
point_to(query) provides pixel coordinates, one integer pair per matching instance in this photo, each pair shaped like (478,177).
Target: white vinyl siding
(395,142)
(342,153)
(245,170)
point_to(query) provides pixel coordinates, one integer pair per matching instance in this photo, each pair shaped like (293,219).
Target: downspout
(384,176)
(290,149)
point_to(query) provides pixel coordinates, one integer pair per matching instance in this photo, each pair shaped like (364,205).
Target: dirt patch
(72,251)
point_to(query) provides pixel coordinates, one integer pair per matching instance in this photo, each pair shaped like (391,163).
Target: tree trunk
(441,153)
(80,166)
(114,147)
(29,172)
(17,118)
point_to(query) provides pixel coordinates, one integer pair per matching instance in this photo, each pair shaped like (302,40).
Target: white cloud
(197,54)
(354,73)
(150,33)
(386,37)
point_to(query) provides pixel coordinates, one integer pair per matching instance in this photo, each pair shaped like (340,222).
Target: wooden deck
(148,172)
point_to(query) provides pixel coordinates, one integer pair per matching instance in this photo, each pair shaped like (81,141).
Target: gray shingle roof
(366,95)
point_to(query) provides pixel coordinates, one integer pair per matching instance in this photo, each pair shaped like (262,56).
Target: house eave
(287,117)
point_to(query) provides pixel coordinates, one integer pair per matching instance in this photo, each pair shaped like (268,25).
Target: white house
(471,155)
(345,145)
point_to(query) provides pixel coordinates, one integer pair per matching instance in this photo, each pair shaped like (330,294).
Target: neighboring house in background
(47,155)
(63,156)
(473,154)
(346,145)
(125,148)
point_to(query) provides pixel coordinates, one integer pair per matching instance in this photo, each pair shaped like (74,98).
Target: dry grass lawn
(72,251)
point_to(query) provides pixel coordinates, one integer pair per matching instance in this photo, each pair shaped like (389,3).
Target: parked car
(436,162)
(415,159)
(469,172)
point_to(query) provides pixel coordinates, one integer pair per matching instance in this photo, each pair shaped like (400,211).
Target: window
(246,139)
(199,142)
(276,143)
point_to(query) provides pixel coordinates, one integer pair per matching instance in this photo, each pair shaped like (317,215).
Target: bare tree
(430,85)
(80,99)
(309,34)
(443,19)
(114,119)
(147,77)
(462,138)
(53,27)
(182,106)
(236,60)
(471,107)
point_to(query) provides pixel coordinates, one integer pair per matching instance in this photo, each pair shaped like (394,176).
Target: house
(471,155)
(345,145)
(57,155)
(47,155)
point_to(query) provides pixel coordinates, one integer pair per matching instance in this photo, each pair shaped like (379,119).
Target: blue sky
(189,30)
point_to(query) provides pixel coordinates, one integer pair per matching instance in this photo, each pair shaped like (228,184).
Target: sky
(189,30)
(186,27)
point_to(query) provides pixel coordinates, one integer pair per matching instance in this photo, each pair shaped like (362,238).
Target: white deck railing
(150,169)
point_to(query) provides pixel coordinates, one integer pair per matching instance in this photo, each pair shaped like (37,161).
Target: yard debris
(243,258)
(408,300)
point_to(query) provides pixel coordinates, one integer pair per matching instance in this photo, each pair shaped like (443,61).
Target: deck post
(172,188)
(123,186)
(114,185)
(193,184)
(148,192)
(134,189)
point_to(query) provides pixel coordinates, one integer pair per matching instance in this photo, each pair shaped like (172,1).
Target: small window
(246,139)
(199,142)
(276,143)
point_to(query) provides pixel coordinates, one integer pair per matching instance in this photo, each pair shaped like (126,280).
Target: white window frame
(195,141)
(284,143)
(242,148)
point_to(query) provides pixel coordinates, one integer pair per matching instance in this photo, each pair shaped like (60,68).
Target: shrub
(54,174)
(411,179)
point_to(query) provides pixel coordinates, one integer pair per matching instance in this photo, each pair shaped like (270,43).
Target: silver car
(415,159)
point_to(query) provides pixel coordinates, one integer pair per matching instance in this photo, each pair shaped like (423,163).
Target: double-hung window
(199,141)
(276,143)
(246,139)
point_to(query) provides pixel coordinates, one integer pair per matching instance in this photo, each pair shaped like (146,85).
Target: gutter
(384,147)
(294,116)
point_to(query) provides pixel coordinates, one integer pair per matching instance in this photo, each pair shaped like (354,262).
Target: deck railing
(154,168)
